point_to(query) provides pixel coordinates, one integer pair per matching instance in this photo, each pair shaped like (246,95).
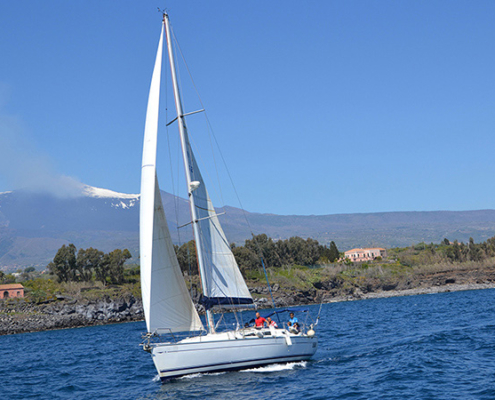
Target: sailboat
(168,306)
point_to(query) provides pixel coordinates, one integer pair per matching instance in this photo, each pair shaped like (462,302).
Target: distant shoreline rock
(417,291)
(23,317)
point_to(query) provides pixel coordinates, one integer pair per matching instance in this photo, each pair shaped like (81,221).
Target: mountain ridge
(33,225)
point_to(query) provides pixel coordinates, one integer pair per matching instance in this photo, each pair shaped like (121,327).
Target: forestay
(166,301)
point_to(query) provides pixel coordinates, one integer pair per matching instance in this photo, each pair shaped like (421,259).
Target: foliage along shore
(82,300)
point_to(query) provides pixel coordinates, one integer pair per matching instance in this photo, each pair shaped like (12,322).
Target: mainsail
(166,301)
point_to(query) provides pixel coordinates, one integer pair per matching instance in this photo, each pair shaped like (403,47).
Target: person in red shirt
(259,322)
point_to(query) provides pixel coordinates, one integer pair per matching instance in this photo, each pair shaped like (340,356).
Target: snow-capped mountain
(33,226)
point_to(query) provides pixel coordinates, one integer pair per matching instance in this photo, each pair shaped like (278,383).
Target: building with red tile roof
(368,254)
(11,290)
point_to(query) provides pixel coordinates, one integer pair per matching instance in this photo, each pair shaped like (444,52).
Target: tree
(30,269)
(186,255)
(475,252)
(299,251)
(9,278)
(333,252)
(246,258)
(87,261)
(115,261)
(64,263)
(263,246)
(102,270)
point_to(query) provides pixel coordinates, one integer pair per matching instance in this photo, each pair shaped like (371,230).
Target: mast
(190,187)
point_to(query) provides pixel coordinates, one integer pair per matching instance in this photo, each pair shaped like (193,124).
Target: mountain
(34,226)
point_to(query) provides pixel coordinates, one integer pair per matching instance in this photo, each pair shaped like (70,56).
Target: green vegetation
(275,254)
(44,289)
(403,268)
(445,252)
(89,264)
(294,265)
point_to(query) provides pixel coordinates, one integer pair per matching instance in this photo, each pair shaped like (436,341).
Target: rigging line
(215,162)
(238,198)
(269,287)
(212,134)
(178,169)
(177,69)
(200,219)
(174,188)
(229,175)
(210,179)
(208,125)
(191,140)
(170,158)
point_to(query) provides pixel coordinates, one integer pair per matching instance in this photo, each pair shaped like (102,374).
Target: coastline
(453,287)
(24,317)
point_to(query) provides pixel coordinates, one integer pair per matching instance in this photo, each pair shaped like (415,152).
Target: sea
(437,346)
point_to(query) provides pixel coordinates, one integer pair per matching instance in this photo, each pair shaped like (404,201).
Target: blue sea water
(439,346)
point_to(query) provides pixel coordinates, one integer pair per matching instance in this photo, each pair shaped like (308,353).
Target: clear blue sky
(320,107)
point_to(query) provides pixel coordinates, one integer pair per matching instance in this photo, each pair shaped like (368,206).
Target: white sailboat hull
(230,351)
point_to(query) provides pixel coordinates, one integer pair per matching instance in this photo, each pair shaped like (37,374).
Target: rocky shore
(19,316)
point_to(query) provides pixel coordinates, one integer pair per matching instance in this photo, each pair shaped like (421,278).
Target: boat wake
(277,367)
(266,368)
(192,376)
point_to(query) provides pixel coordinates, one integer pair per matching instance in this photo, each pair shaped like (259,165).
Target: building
(12,290)
(368,254)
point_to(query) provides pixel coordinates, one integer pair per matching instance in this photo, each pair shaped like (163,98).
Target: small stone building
(11,290)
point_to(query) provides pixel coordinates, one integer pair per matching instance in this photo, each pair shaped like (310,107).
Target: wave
(197,375)
(277,367)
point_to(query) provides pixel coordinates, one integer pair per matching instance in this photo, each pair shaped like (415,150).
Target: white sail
(166,301)
(224,284)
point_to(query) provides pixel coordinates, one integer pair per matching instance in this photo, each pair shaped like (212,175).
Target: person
(259,322)
(292,319)
(271,322)
(296,327)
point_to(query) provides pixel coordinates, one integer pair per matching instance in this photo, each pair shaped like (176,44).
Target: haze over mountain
(34,225)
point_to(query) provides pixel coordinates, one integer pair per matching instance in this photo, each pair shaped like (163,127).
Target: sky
(318,107)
